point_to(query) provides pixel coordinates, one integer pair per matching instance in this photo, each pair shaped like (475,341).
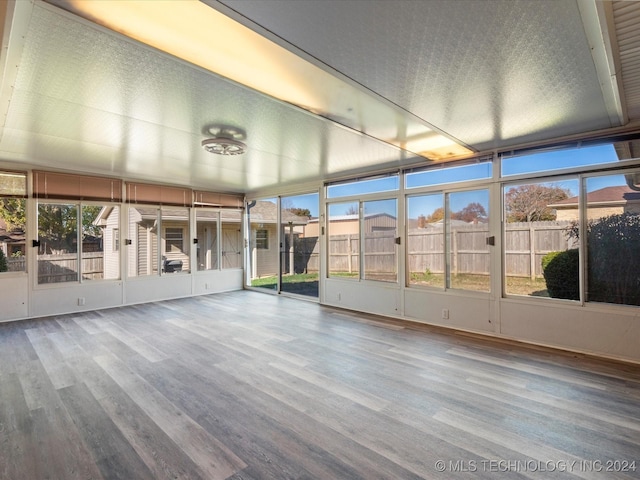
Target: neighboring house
(350,224)
(600,203)
(265,255)
(12,244)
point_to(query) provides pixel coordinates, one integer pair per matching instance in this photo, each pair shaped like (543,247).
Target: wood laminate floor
(245,385)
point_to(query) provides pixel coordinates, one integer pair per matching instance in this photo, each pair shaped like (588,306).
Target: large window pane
(613,239)
(100,242)
(467,231)
(443,174)
(379,228)
(231,239)
(174,240)
(142,252)
(207,235)
(13,221)
(299,260)
(58,236)
(425,240)
(537,240)
(344,240)
(555,159)
(263,217)
(12,234)
(385,183)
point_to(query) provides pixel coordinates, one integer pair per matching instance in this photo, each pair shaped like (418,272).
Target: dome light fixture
(223,146)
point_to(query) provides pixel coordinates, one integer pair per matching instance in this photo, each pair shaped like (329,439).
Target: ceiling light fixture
(223,146)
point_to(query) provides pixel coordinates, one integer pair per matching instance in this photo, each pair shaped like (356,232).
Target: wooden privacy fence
(64,267)
(524,244)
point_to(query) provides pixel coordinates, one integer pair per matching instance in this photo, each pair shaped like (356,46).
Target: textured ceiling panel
(627,22)
(490,73)
(94,101)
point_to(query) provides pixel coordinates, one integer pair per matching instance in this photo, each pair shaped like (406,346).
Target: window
(115,240)
(467,227)
(69,252)
(379,231)
(231,241)
(545,160)
(612,232)
(262,239)
(425,240)
(13,224)
(363,245)
(142,249)
(384,183)
(58,243)
(174,222)
(448,174)
(539,218)
(207,234)
(174,240)
(344,240)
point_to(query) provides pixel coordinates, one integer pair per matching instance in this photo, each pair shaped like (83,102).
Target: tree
(436,216)
(3,262)
(474,212)
(58,225)
(530,203)
(300,212)
(352,210)
(12,210)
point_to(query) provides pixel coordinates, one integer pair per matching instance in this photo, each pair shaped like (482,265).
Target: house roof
(267,212)
(605,196)
(15,235)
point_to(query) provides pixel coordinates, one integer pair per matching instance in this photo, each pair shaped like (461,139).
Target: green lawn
(297,278)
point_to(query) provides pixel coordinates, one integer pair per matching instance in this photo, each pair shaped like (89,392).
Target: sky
(425,204)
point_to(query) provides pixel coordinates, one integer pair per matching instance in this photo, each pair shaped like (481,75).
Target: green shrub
(561,273)
(3,262)
(614,259)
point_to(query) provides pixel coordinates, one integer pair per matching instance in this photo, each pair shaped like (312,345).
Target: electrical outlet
(445,313)
(80,301)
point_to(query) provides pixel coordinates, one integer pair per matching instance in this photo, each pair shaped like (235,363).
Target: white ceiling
(489,74)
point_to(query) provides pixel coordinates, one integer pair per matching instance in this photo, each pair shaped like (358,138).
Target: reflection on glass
(379,227)
(299,261)
(538,222)
(344,240)
(467,223)
(613,239)
(425,240)
(263,216)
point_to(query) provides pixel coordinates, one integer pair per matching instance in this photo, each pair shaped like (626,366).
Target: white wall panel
(217,281)
(466,312)
(74,297)
(371,297)
(15,296)
(154,288)
(609,331)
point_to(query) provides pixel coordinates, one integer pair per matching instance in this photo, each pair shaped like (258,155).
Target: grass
(514,285)
(271,282)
